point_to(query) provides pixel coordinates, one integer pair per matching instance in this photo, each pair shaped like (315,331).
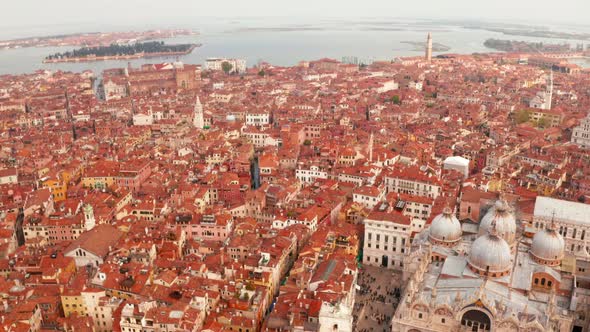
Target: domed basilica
(489,279)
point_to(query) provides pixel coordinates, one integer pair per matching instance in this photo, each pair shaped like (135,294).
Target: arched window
(476,320)
(549,283)
(536,281)
(543,282)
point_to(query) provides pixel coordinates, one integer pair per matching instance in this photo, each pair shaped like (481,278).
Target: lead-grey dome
(501,213)
(445,228)
(490,254)
(548,247)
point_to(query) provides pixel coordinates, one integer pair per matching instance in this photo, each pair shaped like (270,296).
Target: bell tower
(89,221)
(198,116)
(428,55)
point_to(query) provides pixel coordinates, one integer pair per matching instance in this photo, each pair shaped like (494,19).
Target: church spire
(371,148)
(549,93)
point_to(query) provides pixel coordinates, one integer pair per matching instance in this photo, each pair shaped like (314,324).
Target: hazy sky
(42,12)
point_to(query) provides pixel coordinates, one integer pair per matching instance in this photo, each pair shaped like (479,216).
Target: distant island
(512,46)
(94,39)
(531,32)
(419,46)
(120,52)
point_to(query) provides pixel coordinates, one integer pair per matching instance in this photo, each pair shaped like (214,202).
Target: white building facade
(238,65)
(257,119)
(426,186)
(387,236)
(310,175)
(581,133)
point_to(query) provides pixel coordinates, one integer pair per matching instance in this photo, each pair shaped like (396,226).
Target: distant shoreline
(121,57)
(531,32)
(420,46)
(279,50)
(93,39)
(515,46)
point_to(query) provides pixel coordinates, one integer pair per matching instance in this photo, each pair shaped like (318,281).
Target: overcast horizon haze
(33,13)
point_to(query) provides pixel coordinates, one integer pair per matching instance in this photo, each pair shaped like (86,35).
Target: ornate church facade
(495,280)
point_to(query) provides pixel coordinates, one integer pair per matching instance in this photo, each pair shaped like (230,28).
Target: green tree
(123,49)
(522,116)
(261,72)
(307,142)
(395,99)
(226,67)
(543,122)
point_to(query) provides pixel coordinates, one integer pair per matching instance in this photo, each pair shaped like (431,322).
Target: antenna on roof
(492,230)
(447,210)
(552,224)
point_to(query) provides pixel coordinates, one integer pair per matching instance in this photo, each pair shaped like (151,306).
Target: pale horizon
(33,13)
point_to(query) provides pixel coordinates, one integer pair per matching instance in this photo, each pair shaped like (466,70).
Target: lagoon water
(274,41)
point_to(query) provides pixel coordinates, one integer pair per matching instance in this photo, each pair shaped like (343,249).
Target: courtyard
(376,299)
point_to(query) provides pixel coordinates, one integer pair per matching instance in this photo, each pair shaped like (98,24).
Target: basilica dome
(490,255)
(548,247)
(505,223)
(445,228)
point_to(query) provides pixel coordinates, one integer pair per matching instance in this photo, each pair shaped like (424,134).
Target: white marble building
(497,280)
